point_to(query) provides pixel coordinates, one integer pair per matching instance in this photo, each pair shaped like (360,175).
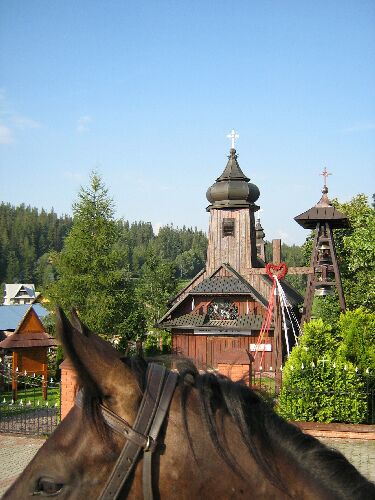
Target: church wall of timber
(260,284)
(235,250)
(206,350)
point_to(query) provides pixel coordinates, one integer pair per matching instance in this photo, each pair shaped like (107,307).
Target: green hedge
(319,383)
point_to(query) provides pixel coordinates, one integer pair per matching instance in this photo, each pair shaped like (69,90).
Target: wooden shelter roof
(29,333)
(323,211)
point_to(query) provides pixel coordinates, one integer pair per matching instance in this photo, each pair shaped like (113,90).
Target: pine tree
(91,274)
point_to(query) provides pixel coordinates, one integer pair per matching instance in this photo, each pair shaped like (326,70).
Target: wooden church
(216,319)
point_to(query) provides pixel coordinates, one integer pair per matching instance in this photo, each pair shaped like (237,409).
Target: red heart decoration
(279,270)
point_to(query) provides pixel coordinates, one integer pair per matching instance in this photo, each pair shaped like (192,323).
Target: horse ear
(85,330)
(77,323)
(97,363)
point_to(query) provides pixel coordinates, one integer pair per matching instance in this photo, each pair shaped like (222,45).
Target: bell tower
(231,233)
(324,218)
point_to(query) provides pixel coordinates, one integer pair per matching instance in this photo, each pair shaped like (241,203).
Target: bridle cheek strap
(160,385)
(160,415)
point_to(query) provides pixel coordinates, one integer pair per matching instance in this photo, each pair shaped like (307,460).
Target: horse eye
(48,487)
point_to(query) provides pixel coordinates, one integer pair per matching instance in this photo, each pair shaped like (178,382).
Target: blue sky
(146,92)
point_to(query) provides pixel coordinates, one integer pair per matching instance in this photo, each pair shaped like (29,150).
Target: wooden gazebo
(29,345)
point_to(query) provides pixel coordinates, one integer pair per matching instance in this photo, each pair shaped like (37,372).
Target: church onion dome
(232,189)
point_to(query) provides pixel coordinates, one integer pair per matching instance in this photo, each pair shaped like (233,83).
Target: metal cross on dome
(233,136)
(325,174)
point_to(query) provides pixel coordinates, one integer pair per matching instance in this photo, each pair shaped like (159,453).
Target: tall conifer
(91,273)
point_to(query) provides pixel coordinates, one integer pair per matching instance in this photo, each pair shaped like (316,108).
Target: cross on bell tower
(325,174)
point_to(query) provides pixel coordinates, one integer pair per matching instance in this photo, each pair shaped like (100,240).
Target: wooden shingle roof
(29,333)
(243,322)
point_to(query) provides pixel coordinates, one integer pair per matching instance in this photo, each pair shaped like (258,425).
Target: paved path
(16,452)
(360,453)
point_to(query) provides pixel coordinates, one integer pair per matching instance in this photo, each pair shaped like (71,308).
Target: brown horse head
(219,440)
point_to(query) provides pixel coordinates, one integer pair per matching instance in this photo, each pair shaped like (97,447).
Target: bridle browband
(160,386)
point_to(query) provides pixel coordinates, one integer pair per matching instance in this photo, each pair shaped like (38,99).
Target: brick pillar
(69,386)
(235,371)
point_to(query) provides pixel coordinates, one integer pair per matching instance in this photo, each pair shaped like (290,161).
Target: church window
(222,310)
(228,227)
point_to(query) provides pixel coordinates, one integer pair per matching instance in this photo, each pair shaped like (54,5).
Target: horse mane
(264,433)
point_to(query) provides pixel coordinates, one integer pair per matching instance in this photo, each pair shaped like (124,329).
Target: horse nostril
(48,487)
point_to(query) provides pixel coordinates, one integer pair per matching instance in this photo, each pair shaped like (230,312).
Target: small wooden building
(222,309)
(29,345)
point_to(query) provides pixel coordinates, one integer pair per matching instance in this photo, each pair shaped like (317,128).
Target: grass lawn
(32,394)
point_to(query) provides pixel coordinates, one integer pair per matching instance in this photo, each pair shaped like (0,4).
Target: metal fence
(339,403)
(29,404)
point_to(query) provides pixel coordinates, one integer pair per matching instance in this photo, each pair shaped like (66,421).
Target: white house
(19,293)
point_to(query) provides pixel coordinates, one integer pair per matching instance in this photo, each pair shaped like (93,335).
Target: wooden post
(276,251)
(310,288)
(2,372)
(336,268)
(14,375)
(44,381)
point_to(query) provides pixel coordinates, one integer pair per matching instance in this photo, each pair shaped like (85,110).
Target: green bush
(357,331)
(319,384)
(157,342)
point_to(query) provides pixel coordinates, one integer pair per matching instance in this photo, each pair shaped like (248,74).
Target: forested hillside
(185,247)
(27,235)
(31,238)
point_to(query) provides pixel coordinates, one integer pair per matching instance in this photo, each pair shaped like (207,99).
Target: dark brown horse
(218,441)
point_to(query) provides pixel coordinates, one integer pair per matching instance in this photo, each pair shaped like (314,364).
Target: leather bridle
(160,386)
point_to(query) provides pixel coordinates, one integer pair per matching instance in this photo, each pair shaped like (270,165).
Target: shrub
(319,384)
(157,342)
(357,330)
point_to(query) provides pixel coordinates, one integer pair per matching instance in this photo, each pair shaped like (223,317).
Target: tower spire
(231,233)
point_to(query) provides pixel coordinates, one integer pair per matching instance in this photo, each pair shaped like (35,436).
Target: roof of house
(13,289)
(12,315)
